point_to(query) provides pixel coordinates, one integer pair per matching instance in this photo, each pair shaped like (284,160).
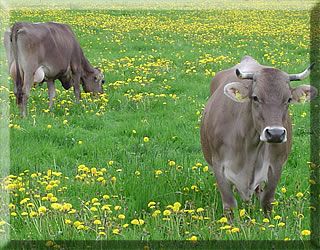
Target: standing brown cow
(246,129)
(38,52)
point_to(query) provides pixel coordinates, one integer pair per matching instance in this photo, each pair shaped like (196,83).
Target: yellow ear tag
(303,98)
(238,95)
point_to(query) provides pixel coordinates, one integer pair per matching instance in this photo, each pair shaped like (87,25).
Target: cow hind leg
(51,92)
(23,95)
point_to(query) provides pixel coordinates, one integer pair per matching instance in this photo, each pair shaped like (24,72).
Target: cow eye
(289,100)
(255,98)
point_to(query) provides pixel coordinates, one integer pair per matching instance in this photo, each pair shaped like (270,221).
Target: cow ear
(303,93)
(237,91)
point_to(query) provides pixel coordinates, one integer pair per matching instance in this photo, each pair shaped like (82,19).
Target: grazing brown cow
(246,129)
(38,52)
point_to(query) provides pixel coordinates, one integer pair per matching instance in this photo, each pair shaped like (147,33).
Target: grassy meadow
(128,165)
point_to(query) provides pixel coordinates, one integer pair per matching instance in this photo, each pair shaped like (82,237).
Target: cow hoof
(228,213)
(267,209)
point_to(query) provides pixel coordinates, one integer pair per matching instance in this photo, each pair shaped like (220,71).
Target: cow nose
(275,134)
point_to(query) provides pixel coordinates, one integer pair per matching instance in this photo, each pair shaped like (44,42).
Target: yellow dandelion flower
(305,232)
(33,214)
(166,212)
(50,195)
(106,208)
(77,223)
(116,231)
(223,220)
(146,139)
(56,206)
(199,210)
(266,220)
(156,213)
(23,201)
(176,206)
(172,163)
(137,222)
(299,195)
(97,222)
(281,224)
(93,209)
(30,204)
(137,173)
(158,172)
(151,204)
(235,230)
(93,200)
(66,207)
(80,227)
(121,216)
(277,217)
(42,209)
(72,211)
(106,197)
(100,179)
(12,206)
(93,172)
(193,238)
(54,199)
(242,212)
(34,175)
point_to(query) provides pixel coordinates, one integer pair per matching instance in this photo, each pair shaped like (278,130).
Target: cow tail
(18,79)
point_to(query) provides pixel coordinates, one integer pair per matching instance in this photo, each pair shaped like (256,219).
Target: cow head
(270,94)
(92,81)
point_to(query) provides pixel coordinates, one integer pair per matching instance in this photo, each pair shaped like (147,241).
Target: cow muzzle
(274,135)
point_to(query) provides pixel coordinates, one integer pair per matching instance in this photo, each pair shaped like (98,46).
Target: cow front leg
(76,87)
(267,195)
(228,200)
(51,92)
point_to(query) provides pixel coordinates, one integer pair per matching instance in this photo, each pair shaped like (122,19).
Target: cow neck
(86,66)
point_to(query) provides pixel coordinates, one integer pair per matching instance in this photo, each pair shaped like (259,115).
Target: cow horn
(303,75)
(243,75)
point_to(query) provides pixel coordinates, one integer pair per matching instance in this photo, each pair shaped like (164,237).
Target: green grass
(166,49)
